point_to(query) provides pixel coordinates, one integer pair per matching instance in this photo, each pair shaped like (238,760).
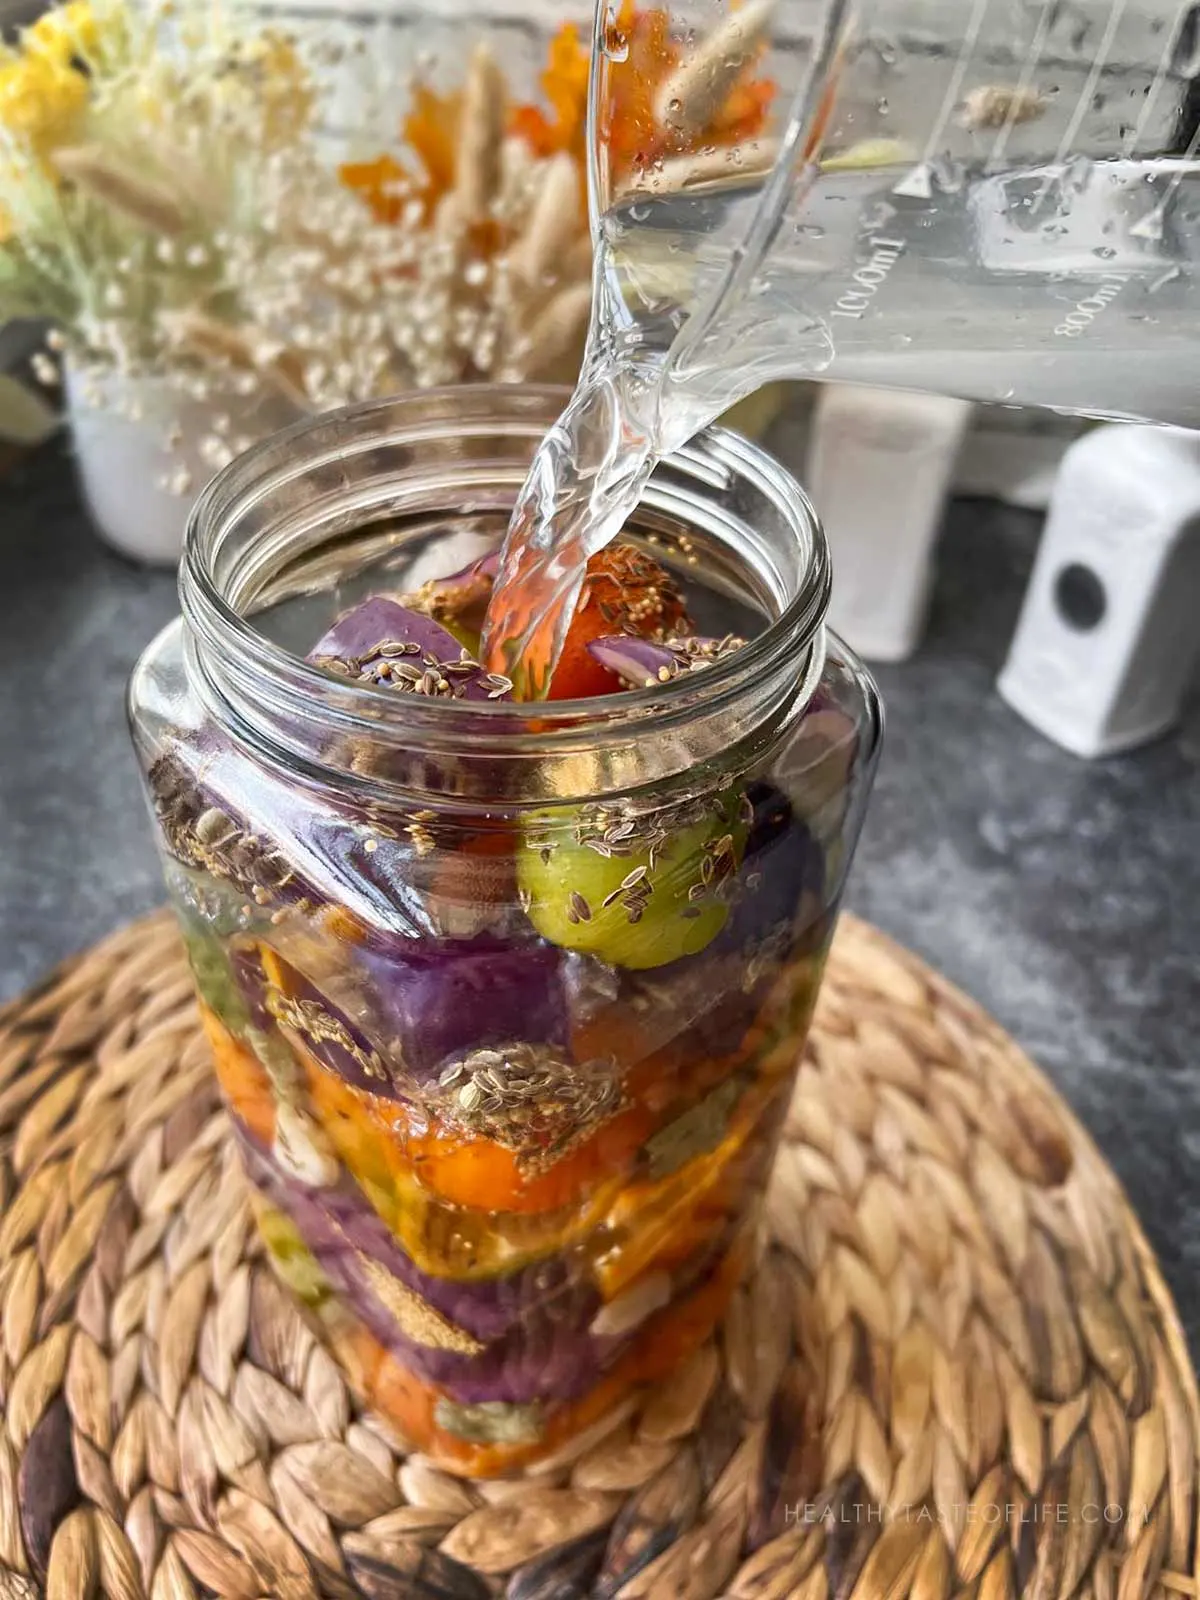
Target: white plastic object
(1014,456)
(139,487)
(880,465)
(1108,635)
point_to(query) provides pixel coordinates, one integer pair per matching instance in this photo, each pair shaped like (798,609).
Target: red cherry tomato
(625,591)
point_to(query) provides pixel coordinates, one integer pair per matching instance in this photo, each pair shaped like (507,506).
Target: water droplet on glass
(675,105)
(616,43)
(882,106)
(1105,252)
(948,174)
(638,213)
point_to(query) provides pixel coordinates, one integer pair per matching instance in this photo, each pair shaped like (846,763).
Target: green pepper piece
(212,969)
(490,1421)
(293,1260)
(637,890)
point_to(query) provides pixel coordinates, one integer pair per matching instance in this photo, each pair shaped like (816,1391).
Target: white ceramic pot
(139,453)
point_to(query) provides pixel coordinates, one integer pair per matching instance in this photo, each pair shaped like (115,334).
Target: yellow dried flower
(65,32)
(40,97)
(283,85)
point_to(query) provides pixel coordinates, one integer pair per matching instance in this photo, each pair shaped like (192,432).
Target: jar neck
(314,501)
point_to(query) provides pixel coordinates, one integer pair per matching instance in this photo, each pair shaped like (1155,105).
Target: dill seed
(580,906)
(633,878)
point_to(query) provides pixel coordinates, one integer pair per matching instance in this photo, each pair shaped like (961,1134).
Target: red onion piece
(642,663)
(383,642)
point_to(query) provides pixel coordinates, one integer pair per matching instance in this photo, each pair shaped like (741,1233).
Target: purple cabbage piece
(324,846)
(421,1005)
(785,863)
(468,996)
(359,632)
(358,635)
(703,998)
(533,1324)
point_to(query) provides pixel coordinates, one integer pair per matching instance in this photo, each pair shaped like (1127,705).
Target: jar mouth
(320,479)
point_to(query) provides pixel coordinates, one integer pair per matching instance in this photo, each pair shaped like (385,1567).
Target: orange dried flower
(431,128)
(642,55)
(383,184)
(565,85)
(431,131)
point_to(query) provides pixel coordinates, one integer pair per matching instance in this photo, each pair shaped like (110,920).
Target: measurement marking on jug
(1162,75)
(918,184)
(1066,144)
(1091,306)
(1151,226)
(1099,63)
(884,255)
(1024,85)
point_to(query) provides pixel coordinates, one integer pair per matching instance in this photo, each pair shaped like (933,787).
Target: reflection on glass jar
(505,1000)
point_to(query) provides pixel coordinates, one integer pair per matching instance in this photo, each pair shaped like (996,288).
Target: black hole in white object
(1080,598)
(1185,49)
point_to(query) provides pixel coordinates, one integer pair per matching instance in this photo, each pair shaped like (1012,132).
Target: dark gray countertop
(1063,896)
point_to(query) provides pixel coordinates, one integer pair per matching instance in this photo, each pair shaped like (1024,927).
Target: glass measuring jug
(995,198)
(998,199)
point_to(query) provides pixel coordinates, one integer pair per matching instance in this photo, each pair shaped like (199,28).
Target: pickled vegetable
(636,890)
(625,592)
(384,643)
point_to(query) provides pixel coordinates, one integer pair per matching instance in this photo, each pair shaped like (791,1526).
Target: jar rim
(236,662)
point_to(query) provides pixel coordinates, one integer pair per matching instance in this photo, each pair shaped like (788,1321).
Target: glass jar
(506,1001)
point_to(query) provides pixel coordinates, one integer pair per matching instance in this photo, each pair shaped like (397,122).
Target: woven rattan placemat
(957,1371)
